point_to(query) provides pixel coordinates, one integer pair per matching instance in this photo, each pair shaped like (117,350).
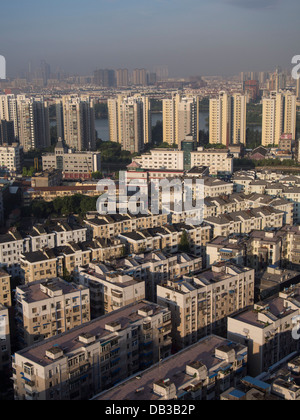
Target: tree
(184,245)
(41,210)
(97,175)
(67,276)
(28,171)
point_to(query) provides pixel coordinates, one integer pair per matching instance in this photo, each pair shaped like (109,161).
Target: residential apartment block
(170,159)
(130,122)
(5,289)
(279,116)
(267,330)
(168,239)
(12,245)
(246,221)
(207,369)
(46,309)
(112,225)
(11,158)
(180,119)
(76,122)
(151,268)
(110,291)
(5,340)
(201,303)
(227,119)
(89,359)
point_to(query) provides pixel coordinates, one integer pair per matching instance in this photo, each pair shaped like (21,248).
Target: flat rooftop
(33,293)
(173,368)
(69,341)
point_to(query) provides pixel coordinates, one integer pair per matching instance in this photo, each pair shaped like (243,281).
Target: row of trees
(76,204)
(252,164)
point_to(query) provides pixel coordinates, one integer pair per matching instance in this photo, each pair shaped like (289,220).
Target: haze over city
(192,37)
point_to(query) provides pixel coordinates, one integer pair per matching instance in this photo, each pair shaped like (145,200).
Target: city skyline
(191,38)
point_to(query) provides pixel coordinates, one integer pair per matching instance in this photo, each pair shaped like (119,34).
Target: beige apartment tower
(77,121)
(227,119)
(33,123)
(180,119)
(122,77)
(130,122)
(279,116)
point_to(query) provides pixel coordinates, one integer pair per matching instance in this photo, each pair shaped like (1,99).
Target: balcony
(167,341)
(29,386)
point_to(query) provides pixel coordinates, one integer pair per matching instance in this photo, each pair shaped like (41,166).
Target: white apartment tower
(180,119)
(279,116)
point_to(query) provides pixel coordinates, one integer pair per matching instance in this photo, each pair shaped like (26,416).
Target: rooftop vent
(54,353)
(87,338)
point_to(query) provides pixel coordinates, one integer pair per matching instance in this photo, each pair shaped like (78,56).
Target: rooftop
(140,387)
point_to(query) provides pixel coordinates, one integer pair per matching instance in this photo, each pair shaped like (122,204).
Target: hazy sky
(192,37)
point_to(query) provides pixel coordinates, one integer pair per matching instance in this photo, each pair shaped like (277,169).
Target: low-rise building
(49,194)
(47,178)
(110,226)
(74,165)
(161,159)
(220,162)
(152,268)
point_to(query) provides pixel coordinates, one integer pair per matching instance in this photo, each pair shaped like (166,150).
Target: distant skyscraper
(130,122)
(298,90)
(105,78)
(45,72)
(76,121)
(152,79)
(122,77)
(180,119)
(251,87)
(139,77)
(33,123)
(162,73)
(227,119)
(279,116)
